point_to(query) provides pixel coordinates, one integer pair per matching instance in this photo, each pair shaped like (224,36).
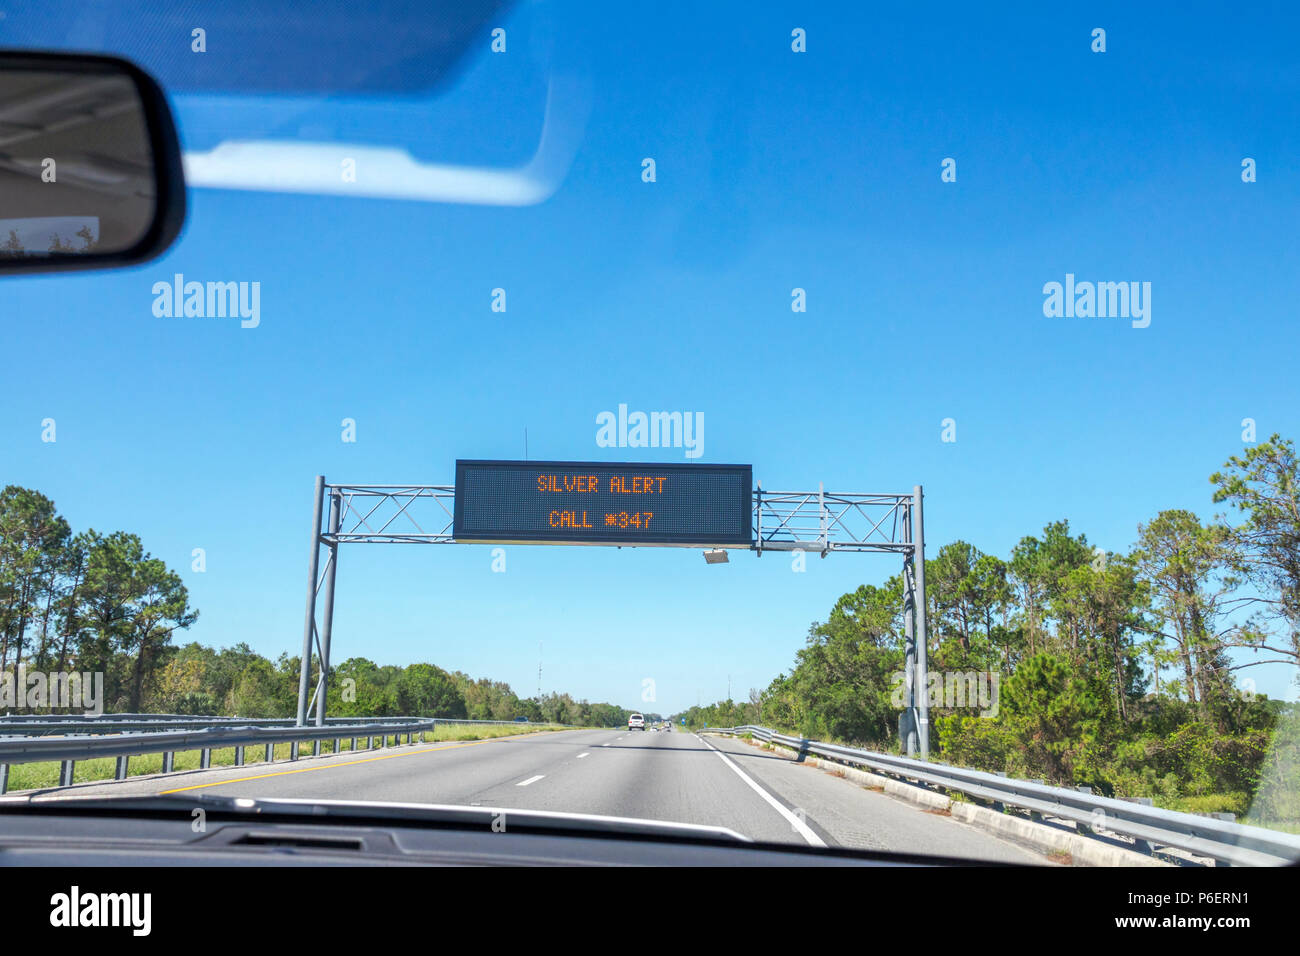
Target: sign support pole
(922,645)
(309,626)
(327,625)
(907,719)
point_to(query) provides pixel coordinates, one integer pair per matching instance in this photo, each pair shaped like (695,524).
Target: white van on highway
(635,722)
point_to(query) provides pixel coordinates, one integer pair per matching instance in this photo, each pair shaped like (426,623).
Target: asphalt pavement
(674,776)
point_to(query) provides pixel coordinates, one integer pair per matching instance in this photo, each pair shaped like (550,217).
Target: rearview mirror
(90,168)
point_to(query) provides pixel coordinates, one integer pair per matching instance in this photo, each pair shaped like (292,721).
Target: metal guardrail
(1232,843)
(48,742)
(40,725)
(58,718)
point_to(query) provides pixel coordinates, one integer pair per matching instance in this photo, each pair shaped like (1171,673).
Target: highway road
(674,776)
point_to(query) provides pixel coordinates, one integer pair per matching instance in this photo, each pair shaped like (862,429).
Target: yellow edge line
(350,763)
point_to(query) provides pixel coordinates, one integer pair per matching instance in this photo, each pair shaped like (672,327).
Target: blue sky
(775,170)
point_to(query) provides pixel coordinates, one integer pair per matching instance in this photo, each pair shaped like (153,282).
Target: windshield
(794,375)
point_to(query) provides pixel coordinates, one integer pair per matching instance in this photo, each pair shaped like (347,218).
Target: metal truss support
(820,522)
(914,724)
(917,557)
(783,521)
(311,637)
(309,627)
(908,726)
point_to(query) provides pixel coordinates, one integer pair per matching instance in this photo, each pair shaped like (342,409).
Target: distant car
(521,720)
(635,722)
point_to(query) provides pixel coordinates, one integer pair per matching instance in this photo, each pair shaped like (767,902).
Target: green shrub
(979,743)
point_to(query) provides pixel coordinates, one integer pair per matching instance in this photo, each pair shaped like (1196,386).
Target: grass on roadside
(37,776)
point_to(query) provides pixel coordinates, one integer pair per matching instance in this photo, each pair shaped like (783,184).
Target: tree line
(89,602)
(238,681)
(101,603)
(1126,671)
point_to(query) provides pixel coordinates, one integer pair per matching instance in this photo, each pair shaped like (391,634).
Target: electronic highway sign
(570,502)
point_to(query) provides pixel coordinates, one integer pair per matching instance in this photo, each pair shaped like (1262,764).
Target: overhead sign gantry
(618,505)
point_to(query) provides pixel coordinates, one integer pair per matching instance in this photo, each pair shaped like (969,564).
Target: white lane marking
(524,783)
(800,827)
(587,754)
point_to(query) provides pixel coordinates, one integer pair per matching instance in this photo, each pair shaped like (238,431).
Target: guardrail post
(169,761)
(270,753)
(1081,828)
(293,750)
(65,772)
(353,748)
(370,743)
(205,758)
(997,805)
(315,748)
(337,742)
(4,778)
(239,756)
